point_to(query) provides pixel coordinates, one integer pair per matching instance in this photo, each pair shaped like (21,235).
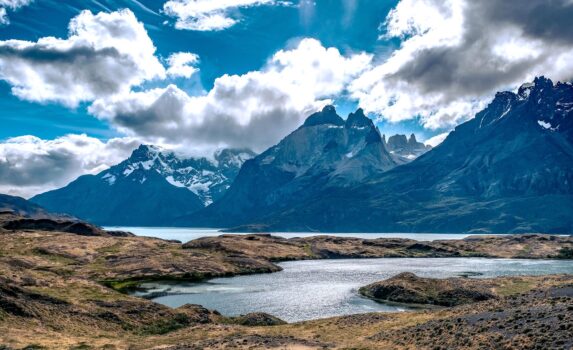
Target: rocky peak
(327,116)
(412,140)
(145,152)
(358,120)
(406,149)
(397,141)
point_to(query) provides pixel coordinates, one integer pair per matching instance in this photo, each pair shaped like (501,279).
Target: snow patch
(172,181)
(109,178)
(543,124)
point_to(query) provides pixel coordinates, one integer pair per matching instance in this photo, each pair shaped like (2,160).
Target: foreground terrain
(62,290)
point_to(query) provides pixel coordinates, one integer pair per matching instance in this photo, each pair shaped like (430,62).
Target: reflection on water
(323,288)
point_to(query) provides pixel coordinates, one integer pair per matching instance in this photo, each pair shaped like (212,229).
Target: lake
(188,234)
(307,290)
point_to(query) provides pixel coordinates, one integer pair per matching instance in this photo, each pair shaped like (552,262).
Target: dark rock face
(325,153)
(152,187)
(508,170)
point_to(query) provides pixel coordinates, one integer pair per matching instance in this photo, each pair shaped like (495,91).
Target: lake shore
(61,290)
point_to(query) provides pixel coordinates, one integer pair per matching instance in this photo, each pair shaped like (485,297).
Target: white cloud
(436,140)
(29,165)
(4,16)
(456,54)
(12,5)
(181,64)
(105,54)
(208,15)
(253,110)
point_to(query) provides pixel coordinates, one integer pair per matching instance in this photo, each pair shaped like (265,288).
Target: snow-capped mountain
(152,187)
(206,178)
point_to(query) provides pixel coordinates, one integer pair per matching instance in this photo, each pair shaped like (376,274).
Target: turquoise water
(188,234)
(307,290)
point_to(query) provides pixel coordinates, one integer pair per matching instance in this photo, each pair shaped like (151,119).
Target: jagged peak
(412,140)
(145,151)
(328,115)
(358,119)
(538,84)
(398,139)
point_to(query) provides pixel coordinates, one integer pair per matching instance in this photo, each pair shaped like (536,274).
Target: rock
(256,319)
(409,288)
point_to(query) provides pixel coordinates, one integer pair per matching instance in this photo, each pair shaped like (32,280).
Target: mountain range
(325,152)
(152,187)
(509,169)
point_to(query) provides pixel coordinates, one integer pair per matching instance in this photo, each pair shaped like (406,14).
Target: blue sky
(350,26)
(82,83)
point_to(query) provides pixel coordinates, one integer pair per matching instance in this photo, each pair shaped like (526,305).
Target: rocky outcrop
(411,289)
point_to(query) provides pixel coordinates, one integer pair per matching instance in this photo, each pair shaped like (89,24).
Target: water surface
(188,234)
(307,290)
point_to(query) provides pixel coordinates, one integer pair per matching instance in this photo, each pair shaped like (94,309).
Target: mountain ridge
(150,188)
(509,169)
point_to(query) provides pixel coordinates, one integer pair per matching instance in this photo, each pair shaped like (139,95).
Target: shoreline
(51,280)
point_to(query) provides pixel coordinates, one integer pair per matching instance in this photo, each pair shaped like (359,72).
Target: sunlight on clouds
(208,15)
(30,165)
(436,140)
(253,110)
(181,64)
(105,54)
(456,54)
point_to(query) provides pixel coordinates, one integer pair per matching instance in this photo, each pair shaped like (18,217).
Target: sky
(82,83)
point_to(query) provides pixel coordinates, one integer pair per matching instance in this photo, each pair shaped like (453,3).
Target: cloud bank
(105,54)
(253,110)
(29,165)
(456,54)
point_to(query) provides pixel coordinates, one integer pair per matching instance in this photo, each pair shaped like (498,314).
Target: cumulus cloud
(104,54)
(181,64)
(29,165)
(436,140)
(456,54)
(208,15)
(251,110)
(12,5)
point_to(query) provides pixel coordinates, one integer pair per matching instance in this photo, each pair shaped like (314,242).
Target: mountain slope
(325,152)
(510,169)
(20,207)
(151,187)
